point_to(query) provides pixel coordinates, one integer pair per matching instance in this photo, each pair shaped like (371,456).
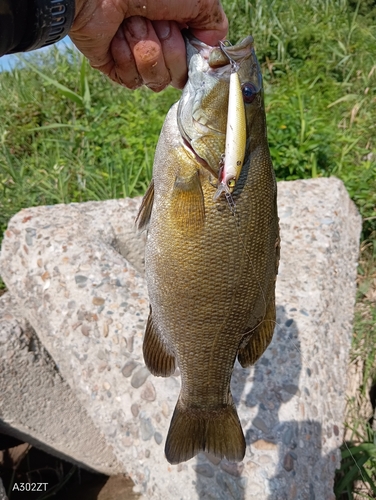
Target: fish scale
(210,271)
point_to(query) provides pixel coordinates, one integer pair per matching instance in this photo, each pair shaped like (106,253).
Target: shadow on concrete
(274,381)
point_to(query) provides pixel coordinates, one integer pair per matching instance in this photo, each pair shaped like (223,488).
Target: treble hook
(234,64)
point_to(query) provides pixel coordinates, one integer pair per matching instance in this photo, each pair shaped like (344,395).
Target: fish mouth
(203,130)
(216,57)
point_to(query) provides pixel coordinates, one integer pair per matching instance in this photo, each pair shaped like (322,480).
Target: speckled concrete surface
(89,306)
(37,405)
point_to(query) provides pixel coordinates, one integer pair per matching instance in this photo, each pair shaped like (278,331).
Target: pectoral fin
(260,338)
(188,202)
(158,358)
(143,216)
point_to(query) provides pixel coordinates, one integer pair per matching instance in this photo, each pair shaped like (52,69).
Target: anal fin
(144,214)
(260,338)
(158,358)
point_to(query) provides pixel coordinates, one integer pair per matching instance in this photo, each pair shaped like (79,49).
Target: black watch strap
(54,19)
(32,24)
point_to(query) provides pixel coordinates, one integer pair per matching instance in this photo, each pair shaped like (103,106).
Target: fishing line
(231,203)
(232,206)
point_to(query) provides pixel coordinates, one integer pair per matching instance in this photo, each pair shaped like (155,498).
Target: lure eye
(249,92)
(231,183)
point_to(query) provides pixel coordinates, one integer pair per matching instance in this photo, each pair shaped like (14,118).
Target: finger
(147,52)
(210,37)
(99,60)
(124,69)
(174,52)
(92,35)
(206,18)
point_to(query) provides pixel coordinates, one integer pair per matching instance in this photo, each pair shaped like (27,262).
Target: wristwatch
(31,24)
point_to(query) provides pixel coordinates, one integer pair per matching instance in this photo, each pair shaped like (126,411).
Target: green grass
(358,464)
(74,136)
(320,86)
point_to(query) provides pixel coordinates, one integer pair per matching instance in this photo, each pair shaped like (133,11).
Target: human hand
(138,42)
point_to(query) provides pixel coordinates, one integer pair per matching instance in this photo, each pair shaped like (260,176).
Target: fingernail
(137,27)
(157,87)
(162,29)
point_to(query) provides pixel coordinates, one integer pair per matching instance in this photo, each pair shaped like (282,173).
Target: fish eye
(231,183)
(249,92)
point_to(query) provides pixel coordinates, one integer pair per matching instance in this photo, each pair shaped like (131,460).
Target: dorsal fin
(144,214)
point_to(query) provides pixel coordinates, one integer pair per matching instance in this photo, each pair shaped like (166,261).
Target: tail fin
(215,431)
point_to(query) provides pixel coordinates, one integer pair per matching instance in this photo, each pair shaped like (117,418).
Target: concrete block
(65,266)
(37,405)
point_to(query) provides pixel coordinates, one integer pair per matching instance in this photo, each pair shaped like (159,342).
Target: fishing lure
(235,135)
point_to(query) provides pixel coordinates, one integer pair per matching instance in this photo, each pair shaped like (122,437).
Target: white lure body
(235,139)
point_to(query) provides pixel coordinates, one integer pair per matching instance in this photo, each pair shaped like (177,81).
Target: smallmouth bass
(210,269)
